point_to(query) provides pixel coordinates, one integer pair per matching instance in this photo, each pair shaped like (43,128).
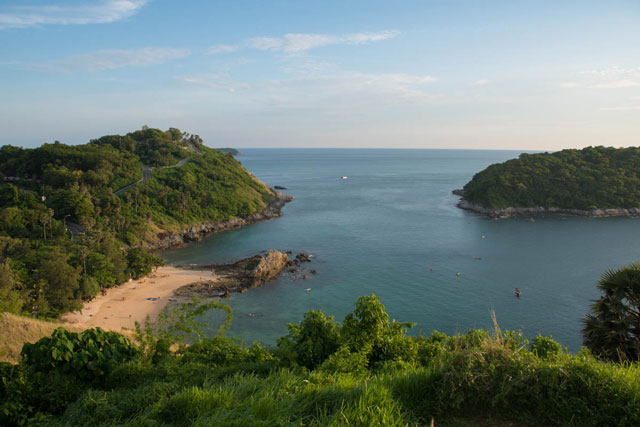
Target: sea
(392,229)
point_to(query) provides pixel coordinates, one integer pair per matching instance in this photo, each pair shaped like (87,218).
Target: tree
(61,280)
(612,329)
(10,297)
(315,339)
(140,262)
(369,330)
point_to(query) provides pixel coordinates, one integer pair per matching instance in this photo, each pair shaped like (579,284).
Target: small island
(595,181)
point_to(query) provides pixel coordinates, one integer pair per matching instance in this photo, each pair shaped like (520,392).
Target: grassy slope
(16,330)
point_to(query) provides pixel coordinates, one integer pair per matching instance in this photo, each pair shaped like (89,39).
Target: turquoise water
(394,218)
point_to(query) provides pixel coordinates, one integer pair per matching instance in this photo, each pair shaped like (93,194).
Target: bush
(88,356)
(545,347)
(312,341)
(346,362)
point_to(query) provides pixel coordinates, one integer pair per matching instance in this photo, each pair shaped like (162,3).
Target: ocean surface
(392,228)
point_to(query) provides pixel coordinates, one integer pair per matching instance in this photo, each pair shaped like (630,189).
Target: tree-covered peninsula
(74,219)
(594,180)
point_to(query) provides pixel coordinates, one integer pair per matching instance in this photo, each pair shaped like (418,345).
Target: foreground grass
(490,383)
(362,372)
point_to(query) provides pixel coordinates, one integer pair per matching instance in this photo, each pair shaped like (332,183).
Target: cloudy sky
(526,75)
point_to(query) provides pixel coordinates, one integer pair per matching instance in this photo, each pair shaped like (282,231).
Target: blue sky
(526,75)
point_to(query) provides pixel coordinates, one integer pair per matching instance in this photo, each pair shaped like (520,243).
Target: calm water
(383,228)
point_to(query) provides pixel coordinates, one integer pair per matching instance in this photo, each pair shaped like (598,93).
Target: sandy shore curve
(135,300)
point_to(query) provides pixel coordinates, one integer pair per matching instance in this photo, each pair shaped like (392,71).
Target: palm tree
(612,329)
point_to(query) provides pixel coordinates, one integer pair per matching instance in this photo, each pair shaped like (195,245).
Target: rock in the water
(280,187)
(303,257)
(269,266)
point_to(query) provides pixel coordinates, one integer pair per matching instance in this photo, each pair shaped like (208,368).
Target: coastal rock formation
(517,211)
(193,234)
(269,266)
(237,277)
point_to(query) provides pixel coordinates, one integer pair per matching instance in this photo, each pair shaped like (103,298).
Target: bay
(392,228)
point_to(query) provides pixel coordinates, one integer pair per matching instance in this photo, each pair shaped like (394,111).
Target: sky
(523,75)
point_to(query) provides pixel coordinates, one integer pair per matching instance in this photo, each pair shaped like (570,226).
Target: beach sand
(125,304)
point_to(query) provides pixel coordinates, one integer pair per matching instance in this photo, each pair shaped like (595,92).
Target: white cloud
(215,81)
(111,59)
(627,108)
(342,92)
(100,12)
(221,48)
(612,72)
(481,82)
(607,78)
(296,43)
(617,84)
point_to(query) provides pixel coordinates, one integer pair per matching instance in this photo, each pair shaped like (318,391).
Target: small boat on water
(343,177)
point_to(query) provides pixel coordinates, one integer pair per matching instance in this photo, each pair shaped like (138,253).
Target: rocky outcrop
(269,267)
(237,277)
(532,211)
(195,233)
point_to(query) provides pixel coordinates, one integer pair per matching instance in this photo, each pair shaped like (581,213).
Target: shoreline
(196,233)
(540,210)
(128,303)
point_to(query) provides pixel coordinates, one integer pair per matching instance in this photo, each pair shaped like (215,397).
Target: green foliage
(455,380)
(89,287)
(612,329)
(345,361)
(177,325)
(367,335)
(10,297)
(369,330)
(313,340)
(88,356)
(141,262)
(545,347)
(594,177)
(59,211)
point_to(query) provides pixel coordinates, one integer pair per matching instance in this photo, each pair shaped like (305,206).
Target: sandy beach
(130,302)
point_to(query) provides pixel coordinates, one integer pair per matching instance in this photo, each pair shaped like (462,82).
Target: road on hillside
(146,175)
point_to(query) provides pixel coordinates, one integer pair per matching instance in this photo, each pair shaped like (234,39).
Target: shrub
(346,362)
(545,347)
(88,356)
(313,340)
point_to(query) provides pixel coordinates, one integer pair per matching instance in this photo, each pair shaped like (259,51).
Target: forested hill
(121,191)
(591,178)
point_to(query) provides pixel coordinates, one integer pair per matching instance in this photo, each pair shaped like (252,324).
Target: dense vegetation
(66,231)
(594,177)
(612,329)
(363,371)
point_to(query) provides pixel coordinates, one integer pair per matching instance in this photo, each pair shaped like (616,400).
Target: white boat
(344,177)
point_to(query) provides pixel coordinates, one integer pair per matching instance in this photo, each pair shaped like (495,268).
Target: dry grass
(16,330)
